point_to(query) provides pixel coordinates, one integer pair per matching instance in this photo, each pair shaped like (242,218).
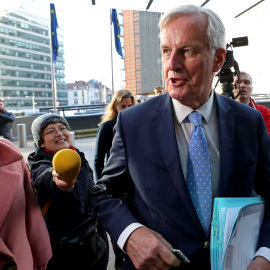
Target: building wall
(142,51)
(151,66)
(129,37)
(87,93)
(25,60)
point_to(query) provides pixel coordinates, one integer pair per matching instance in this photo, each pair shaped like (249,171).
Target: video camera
(225,75)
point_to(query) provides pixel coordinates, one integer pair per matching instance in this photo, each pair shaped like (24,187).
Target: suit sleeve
(113,189)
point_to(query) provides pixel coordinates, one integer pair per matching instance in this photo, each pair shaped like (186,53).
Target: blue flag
(115,22)
(54,26)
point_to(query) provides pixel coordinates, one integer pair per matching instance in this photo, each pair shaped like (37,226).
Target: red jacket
(264,111)
(24,239)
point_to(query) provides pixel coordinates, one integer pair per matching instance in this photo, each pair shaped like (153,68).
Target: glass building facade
(143,62)
(25,60)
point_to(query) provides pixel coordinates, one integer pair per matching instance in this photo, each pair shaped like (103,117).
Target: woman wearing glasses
(71,203)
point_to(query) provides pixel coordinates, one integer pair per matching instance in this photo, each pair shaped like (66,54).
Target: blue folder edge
(218,223)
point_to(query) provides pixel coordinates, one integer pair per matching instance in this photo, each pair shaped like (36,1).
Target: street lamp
(33,102)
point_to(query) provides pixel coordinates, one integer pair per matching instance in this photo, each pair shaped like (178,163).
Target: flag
(54,26)
(115,22)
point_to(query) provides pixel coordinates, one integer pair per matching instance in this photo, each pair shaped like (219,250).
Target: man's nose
(176,61)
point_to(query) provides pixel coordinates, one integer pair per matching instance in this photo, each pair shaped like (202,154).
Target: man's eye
(50,132)
(62,128)
(188,52)
(166,51)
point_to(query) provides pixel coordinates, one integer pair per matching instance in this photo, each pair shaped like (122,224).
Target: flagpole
(111,50)
(54,89)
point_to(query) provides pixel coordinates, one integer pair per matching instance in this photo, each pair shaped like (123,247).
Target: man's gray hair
(215,32)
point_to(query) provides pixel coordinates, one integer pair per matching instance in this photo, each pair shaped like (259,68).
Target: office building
(25,60)
(142,51)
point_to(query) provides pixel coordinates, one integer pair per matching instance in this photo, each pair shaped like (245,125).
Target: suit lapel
(226,127)
(168,145)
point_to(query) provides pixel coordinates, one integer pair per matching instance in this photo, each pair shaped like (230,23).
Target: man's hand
(259,263)
(149,250)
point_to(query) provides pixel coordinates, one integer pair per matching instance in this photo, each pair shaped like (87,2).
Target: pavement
(84,145)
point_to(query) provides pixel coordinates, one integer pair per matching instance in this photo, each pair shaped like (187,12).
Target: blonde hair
(111,113)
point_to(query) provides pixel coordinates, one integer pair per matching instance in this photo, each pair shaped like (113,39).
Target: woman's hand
(62,184)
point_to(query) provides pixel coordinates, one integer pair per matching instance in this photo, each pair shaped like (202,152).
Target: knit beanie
(40,123)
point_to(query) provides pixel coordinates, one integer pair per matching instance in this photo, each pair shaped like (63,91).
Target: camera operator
(246,90)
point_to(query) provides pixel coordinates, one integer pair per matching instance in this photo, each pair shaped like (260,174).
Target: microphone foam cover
(67,164)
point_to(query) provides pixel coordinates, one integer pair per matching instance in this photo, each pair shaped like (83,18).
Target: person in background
(24,239)
(71,203)
(121,100)
(147,198)
(246,86)
(6,119)
(159,90)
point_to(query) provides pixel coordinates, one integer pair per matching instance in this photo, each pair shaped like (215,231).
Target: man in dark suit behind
(142,197)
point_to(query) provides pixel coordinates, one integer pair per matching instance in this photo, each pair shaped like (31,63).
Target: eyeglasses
(63,130)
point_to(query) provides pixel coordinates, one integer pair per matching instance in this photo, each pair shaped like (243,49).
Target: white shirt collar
(182,111)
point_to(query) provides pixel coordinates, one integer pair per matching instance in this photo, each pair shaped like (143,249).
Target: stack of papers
(234,233)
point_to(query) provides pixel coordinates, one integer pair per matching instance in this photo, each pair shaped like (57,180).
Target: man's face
(2,106)
(159,92)
(188,64)
(246,87)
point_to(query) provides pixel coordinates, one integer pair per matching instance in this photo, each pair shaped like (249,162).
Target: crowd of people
(143,191)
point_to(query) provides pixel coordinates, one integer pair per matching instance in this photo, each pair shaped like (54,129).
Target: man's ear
(219,59)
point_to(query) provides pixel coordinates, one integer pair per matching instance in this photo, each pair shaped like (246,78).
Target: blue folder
(232,217)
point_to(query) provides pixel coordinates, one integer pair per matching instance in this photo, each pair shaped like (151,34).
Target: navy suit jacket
(143,179)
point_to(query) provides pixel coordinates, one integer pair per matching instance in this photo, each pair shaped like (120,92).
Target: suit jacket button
(206,244)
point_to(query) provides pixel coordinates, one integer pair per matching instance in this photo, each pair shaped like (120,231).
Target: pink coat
(24,237)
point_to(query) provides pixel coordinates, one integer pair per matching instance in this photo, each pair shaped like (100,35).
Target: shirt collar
(182,111)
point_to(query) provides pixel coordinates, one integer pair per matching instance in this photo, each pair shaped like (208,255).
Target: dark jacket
(143,180)
(103,146)
(68,209)
(6,119)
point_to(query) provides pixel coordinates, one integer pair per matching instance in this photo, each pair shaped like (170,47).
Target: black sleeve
(103,146)
(7,117)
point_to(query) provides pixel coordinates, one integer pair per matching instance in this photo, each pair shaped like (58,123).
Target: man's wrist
(263,252)
(126,233)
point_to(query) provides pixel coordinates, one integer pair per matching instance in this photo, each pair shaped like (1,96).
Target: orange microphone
(67,164)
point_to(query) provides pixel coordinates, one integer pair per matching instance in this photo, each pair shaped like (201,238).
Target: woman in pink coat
(24,240)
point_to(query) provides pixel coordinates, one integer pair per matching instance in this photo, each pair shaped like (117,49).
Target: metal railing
(81,110)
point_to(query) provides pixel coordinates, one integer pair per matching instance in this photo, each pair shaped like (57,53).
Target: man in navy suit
(142,197)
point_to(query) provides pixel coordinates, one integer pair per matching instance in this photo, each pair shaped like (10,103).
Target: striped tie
(199,171)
